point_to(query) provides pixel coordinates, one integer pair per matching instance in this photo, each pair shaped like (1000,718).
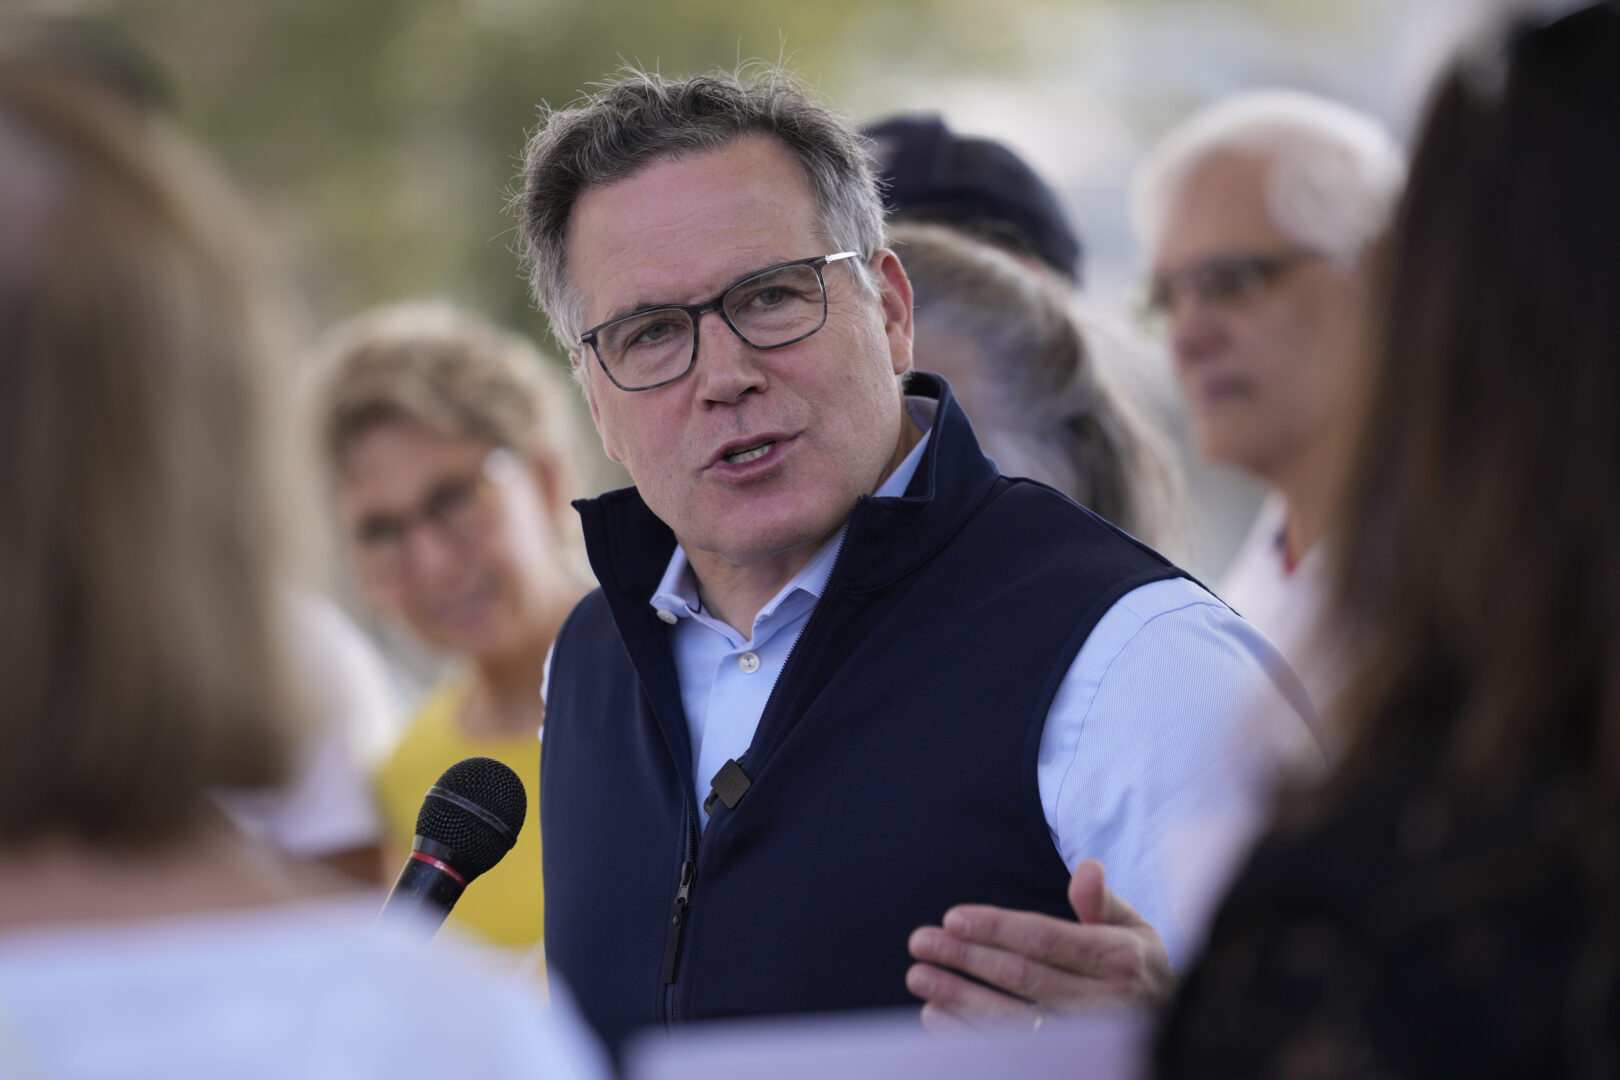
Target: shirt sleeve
(1160,749)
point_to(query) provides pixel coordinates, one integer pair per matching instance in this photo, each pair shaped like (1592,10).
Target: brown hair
(1038,402)
(1479,580)
(138,666)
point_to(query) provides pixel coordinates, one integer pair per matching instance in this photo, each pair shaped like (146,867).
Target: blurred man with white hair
(1260,213)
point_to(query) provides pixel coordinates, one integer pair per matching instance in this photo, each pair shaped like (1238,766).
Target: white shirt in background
(343,684)
(1288,606)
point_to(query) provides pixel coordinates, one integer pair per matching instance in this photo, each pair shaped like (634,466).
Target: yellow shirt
(506,906)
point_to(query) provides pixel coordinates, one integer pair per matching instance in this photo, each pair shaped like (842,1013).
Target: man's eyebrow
(637,306)
(633,307)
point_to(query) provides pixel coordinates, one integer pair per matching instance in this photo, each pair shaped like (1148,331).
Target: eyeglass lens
(770,308)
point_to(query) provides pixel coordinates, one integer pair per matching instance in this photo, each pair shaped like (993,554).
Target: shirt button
(668,616)
(749,662)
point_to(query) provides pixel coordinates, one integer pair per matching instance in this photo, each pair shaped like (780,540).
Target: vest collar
(629,547)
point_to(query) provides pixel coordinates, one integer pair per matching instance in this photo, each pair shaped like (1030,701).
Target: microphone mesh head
(489,785)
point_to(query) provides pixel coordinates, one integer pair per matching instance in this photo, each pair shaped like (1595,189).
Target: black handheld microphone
(468,821)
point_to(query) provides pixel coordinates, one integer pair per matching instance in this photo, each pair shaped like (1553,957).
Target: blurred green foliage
(382,137)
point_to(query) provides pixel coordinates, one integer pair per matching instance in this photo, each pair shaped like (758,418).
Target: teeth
(743,457)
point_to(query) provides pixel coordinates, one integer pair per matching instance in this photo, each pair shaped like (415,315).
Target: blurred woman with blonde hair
(450,449)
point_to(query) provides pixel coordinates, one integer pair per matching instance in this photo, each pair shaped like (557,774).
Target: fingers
(1005,970)
(1017,974)
(1018,950)
(1088,892)
(1094,902)
(954,1002)
(1111,954)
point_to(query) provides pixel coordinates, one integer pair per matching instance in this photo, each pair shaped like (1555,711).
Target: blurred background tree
(382,136)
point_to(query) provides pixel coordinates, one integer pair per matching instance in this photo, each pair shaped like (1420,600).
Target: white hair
(1333,174)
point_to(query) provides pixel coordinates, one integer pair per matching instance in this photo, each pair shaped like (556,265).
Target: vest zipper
(682,908)
(677,918)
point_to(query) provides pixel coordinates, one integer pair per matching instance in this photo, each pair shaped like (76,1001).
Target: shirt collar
(677,590)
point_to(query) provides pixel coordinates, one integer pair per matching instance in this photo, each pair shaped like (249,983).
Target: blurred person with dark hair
(931,175)
(840,673)
(450,448)
(141,934)
(1021,365)
(1261,213)
(1449,905)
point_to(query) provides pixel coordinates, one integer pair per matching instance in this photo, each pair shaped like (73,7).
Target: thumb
(1094,902)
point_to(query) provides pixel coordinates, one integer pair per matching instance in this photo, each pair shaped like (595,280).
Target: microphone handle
(427,888)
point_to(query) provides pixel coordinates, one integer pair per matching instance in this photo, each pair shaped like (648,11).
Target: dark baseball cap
(930,173)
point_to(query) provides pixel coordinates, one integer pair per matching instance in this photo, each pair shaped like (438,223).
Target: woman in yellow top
(448,443)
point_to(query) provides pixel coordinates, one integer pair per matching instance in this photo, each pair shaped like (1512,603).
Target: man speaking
(840,674)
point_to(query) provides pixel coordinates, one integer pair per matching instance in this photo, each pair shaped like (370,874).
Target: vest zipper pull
(677,921)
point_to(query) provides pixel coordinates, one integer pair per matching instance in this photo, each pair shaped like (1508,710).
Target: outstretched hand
(1034,963)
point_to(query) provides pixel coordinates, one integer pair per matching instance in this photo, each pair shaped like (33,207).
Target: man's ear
(576,357)
(894,290)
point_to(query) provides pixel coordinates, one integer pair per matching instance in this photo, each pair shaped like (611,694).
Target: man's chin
(758,546)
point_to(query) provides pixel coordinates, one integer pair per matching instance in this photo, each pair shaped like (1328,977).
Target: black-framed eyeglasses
(767,309)
(1222,281)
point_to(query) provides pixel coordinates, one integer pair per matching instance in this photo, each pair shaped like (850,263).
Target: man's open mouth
(750,453)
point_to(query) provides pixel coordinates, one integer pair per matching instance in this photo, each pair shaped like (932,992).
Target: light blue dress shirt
(1175,714)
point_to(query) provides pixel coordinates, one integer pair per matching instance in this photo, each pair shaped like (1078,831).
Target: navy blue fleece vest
(893,771)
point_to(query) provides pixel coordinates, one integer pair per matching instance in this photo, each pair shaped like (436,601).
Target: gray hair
(1333,174)
(639,118)
(1024,371)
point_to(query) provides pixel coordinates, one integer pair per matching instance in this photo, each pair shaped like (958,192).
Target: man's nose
(728,368)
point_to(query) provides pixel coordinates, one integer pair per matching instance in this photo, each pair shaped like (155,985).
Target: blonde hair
(139,666)
(448,370)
